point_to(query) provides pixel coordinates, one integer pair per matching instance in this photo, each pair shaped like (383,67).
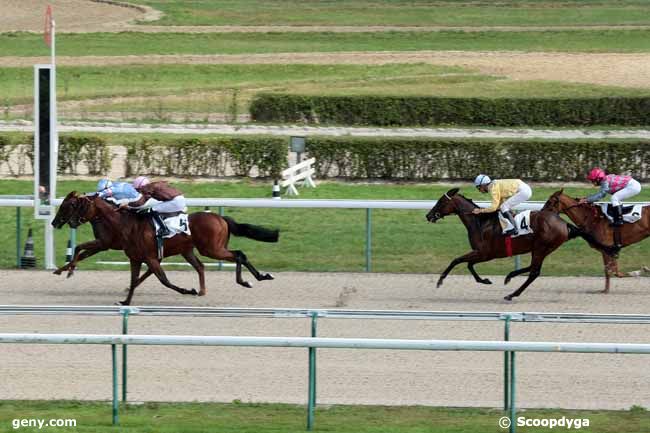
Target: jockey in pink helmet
(619,186)
(161,198)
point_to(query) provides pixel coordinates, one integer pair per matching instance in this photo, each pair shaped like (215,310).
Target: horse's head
(74,210)
(445,206)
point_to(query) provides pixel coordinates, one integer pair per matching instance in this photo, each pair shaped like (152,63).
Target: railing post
(311,398)
(506,378)
(73,240)
(368,239)
(221,215)
(116,420)
(18,240)
(125,330)
(517,263)
(513,415)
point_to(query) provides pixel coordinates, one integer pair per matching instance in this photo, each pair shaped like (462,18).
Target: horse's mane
(481,217)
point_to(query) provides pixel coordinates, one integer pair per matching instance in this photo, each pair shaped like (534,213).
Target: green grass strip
(237,417)
(130,43)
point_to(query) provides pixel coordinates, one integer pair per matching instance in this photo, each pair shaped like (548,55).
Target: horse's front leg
(472,257)
(89,248)
(476,276)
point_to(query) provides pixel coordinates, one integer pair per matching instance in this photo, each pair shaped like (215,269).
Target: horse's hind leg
(477,277)
(232,256)
(200,269)
(135,272)
(154,266)
(259,276)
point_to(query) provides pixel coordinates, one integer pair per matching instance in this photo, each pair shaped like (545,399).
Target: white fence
(301,171)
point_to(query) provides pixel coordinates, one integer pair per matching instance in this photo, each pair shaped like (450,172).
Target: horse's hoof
(604,292)
(202,293)
(192,292)
(507,280)
(486,281)
(439,284)
(58,272)
(246,284)
(70,274)
(508,298)
(121,303)
(268,277)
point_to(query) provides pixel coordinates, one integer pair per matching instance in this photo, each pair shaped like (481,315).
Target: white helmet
(482,179)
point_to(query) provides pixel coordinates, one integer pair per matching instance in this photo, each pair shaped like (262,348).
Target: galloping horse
(135,234)
(591,220)
(488,242)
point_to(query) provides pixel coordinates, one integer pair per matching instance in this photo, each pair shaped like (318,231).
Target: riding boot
(618,215)
(514,231)
(163,230)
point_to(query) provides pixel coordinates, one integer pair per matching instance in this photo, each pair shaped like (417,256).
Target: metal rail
(512,316)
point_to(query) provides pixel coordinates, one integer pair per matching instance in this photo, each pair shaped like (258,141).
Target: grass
(133,43)
(239,417)
(202,90)
(402,241)
(401,13)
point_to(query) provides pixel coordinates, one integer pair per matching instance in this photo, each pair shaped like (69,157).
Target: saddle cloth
(176,224)
(522,219)
(631,214)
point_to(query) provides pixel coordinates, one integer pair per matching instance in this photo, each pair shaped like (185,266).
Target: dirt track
(345,376)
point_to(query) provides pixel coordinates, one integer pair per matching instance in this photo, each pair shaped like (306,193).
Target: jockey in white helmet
(118,191)
(506,194)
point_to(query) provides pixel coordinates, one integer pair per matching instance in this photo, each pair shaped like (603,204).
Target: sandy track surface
(624,70)
(345,376)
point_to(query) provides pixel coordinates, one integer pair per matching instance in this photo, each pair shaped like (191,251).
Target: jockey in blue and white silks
(119,192)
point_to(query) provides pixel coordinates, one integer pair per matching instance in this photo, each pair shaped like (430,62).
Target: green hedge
(92,151)
(428,111)
(208,156)
(438,159)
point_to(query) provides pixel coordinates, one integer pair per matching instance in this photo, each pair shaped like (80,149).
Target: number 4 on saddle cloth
(522,219)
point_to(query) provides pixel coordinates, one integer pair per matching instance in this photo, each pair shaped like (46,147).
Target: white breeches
(631,189)
(523,193)
(177,204)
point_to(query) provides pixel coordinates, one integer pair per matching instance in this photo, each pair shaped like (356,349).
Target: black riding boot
(514,231)
(618,216)
(163,230)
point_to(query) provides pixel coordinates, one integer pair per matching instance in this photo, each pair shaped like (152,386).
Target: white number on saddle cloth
(522,219)
(176,225)
(630,217)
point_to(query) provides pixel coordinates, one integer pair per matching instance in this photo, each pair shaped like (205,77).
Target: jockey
(506,194)
(160,198)
(118,191)
(620,187)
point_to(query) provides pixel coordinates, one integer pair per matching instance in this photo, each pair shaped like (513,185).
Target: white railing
(314,343)
(301,171)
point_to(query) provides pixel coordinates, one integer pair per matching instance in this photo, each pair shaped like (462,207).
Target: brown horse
(135,234)
(591,220)
(488,242)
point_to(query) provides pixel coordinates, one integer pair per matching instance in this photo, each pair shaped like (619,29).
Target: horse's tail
(574,232)
(252,232)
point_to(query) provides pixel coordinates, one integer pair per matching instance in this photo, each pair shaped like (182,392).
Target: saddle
(631,214)
(522,219)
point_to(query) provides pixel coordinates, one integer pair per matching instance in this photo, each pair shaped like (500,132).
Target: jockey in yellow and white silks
(506,194)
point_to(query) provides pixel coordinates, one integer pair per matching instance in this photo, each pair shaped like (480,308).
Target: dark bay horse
(135,234)
(488,242)
(591,220)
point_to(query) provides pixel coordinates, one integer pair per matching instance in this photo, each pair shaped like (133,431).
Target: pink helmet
(140,181)
(596,174)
